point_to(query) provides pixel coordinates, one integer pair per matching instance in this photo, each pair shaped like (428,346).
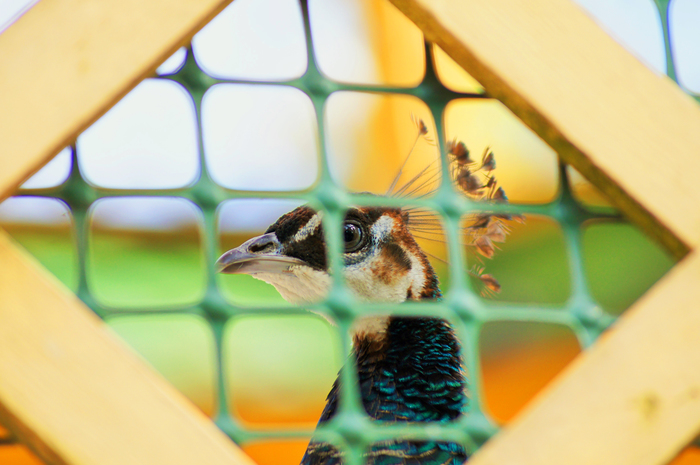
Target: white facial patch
(382,227)
(300,285)
(303,284)
(368,287)
(308,228)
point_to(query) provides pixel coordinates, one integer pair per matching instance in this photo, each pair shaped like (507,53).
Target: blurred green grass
(146,270)
(181,347)
(531,265)
(279,368)
(54,247)
(621,263)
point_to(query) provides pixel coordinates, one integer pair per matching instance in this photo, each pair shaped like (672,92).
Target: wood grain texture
(76,395)
(632,399)
(66,62)
(633,133)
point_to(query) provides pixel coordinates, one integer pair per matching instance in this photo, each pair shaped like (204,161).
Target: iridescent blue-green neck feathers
(412,373)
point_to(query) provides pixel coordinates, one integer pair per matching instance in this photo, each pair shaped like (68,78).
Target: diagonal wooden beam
(631,132)
(69,389)
(76,395)
(66,62)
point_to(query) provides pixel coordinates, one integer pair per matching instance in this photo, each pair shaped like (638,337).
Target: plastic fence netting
(476,319)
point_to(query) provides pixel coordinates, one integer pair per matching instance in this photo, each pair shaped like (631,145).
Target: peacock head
(382,261)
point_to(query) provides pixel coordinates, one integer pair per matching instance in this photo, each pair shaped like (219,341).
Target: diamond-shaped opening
(518,359)
(146,252)
(148,140)
(260,137)
(366,42)
(279,368)
(45,228)
(181,347)
(369,136)
(254,39)
(621,263)
(238,126)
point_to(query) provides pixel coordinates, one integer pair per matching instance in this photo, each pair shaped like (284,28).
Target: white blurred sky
(149,139)
(260,137)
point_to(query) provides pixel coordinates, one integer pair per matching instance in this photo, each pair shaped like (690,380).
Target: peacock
(409,368)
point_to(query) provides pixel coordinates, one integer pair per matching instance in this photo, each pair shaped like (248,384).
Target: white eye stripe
(308,228)
(382,227)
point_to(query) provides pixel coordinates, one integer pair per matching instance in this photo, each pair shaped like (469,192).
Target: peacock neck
(424,354)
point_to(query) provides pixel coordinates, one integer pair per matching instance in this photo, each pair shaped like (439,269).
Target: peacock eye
(353,235)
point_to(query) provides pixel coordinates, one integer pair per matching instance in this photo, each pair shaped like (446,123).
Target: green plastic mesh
(351,430)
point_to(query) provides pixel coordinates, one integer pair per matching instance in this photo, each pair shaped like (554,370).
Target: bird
(409,368)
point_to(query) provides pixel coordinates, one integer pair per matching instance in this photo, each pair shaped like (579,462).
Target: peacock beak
(262,254)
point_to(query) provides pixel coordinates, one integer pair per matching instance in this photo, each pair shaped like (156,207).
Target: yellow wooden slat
(633,399)
(76,395)
(633,133)
(66,62)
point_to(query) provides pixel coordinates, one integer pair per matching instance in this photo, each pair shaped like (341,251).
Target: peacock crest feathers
(481,232)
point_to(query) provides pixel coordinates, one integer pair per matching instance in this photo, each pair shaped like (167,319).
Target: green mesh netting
(463,306)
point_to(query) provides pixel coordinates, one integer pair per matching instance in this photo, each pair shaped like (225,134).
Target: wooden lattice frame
(633,398)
